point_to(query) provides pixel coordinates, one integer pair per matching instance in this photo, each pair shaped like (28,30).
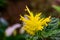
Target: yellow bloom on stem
(34,23)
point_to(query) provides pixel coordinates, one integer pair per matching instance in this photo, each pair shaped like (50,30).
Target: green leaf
(57,8)
(50,33)
(53,24)
(52,28)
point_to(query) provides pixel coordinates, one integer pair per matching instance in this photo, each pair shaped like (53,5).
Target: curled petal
(11,29)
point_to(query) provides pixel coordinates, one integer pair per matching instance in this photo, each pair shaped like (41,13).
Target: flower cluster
(34,23)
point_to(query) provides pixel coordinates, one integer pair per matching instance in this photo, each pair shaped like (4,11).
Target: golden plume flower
(34,23)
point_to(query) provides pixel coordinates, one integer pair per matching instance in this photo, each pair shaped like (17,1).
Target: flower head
(34,23)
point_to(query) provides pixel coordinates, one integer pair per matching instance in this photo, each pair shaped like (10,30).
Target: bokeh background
(10,10)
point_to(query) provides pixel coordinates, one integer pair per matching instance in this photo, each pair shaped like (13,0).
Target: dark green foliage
(53,24)
(2,3)
(3,6)
(3,23)
(3,26)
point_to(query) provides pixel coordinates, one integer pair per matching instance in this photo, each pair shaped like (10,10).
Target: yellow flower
(34,23)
